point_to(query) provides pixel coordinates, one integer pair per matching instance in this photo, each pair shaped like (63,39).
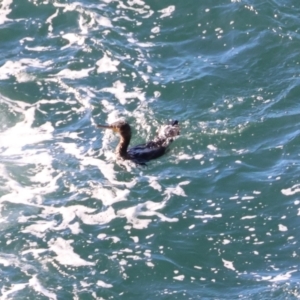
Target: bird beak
(103,126)
(107,127)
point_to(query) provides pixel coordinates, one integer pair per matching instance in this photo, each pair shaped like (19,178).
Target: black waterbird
(140,154)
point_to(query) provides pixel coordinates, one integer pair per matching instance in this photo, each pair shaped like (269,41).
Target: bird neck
(123,145)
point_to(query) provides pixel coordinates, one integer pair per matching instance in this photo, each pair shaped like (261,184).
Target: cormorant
(140,154)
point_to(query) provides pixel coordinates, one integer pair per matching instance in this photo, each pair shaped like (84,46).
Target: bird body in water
(140,154)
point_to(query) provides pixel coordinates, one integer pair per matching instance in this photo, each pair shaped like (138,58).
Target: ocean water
(217,217)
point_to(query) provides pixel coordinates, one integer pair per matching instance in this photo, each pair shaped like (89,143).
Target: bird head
(121,127)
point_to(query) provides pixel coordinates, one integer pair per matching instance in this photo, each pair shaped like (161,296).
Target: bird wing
(143,153)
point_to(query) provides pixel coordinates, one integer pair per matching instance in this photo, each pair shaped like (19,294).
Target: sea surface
(217,217)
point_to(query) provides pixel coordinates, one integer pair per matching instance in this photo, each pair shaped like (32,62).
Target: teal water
(215,218)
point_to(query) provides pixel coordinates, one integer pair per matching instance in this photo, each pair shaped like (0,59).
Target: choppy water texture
(215,218)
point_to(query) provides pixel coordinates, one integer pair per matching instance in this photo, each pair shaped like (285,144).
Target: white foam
(280,277)
(36,285)
(155,29)
(154,183)
(65,254)
(184,157)
(291,191)
(118,89)
(103,217)
(109,107)
(207,216)
(103,21)
(186,182)
(110,196)
(106,64)
(4,262)
(248,217)
(146,209)
(73,38)
(18,146)
(35,252)
(30,39)
(107,170)
(147,253)
(39,228)
(166,12)
(49,20)
(25,195)
(68,7)
(179,277)
(137,6)
(73,74)
(135,239)
(136,2)
(101,236)
(104,285)
(7,291)
(69,213)
(5,10)
(177,190)
(247,198)
(145,44)
(282,227)
(85,284)
(212,147)
(18,68)
(226,242)
(228,264)
(150,264)
(22,134)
